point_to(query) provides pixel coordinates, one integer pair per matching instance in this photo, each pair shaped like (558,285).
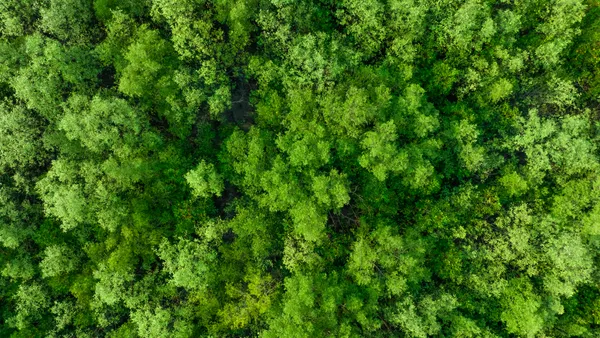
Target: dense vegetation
(318,168)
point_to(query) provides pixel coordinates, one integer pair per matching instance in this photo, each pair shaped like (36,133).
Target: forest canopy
(314,168)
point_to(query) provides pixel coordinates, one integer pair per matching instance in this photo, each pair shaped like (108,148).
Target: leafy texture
(310,168)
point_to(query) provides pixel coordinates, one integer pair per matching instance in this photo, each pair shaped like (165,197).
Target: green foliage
(19,267)
(381,155)
(18,17)
(204,180)
(31,302)
(147,71)
(20,143)
(57,260)
(67,20)
(106,125)
(313,168)
(513,183)
(331,190)
(520,309)
(188,263)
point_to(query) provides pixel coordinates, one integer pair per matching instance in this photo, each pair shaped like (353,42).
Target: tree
(67,21)
(276,168)
(32,302)
(383,156)
(57,260)
(204,180)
